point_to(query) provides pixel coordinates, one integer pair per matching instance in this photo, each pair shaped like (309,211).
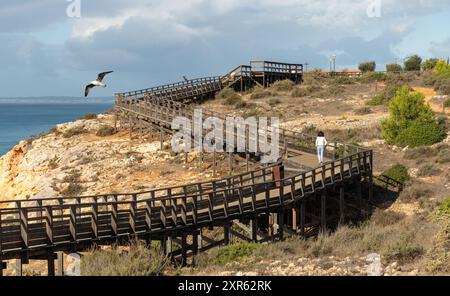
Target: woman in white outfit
(321,143)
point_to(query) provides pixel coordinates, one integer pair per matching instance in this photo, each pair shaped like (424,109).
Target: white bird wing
(87,89)
(102,75)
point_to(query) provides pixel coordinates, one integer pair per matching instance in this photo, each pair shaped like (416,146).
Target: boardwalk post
(2,266)
(214,162)
(302,217)
(169,245)
(280,222)
(226,234)
(370,176)
(341,205)
(359,196)
(183,249)
(335,156)
(200,239)
(51,264)
(273,220)
(295,216)
(115,120)
(163,245)
(60,260)
(323,211)
(131,129)
(230,164)
(254,230)
(18,267)
(161,138)
(195,242)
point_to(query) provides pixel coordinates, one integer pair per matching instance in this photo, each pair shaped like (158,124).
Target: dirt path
(429,93)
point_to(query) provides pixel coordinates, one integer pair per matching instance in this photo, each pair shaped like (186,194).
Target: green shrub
(376,101)
(88,116)
(447,103)
(393,68)
(403,251)
(373,77)
(368,66)
(229,96)
(137,261)
(413,63)
(429,64)
(283,85)
(260,93)
(411,121)
(421,134)
(385,96)
(444,207)
(234,252)
(74,131)
(397,172)
(105,131)
(442,70)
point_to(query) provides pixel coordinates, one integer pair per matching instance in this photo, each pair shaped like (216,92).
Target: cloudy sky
(44,50)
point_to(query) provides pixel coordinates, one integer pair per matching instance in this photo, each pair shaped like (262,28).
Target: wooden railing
(276,67)
(162,112)
(176,91)
(61,223)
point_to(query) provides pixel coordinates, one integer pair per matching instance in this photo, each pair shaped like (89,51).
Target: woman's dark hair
(321,134)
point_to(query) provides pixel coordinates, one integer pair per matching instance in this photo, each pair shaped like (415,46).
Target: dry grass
(74,131)
(416,191)
(88,116)
(105,131)
(136,261)
(260,93)
(428,170)
(283,85)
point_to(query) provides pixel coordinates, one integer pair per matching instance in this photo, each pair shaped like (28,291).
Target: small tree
(442,70)
(408,109)
(429,64)
(413,63)
(368,66)
(394,68)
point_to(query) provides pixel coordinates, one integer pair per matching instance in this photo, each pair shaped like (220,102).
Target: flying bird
(97,82)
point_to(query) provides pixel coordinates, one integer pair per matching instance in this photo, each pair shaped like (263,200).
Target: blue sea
(21,118)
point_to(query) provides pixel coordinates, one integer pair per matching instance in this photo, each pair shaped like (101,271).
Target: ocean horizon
(21,118)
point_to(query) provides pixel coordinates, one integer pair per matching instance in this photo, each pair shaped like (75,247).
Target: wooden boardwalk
(282,196)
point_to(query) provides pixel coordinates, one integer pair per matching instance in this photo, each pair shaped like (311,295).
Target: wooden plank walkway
(36,228)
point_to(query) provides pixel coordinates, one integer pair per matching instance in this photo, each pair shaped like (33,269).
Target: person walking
(321,143)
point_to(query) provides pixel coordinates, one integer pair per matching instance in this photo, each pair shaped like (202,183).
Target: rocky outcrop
(72,153)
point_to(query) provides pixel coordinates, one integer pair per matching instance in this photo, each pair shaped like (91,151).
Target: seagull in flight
(97,82)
